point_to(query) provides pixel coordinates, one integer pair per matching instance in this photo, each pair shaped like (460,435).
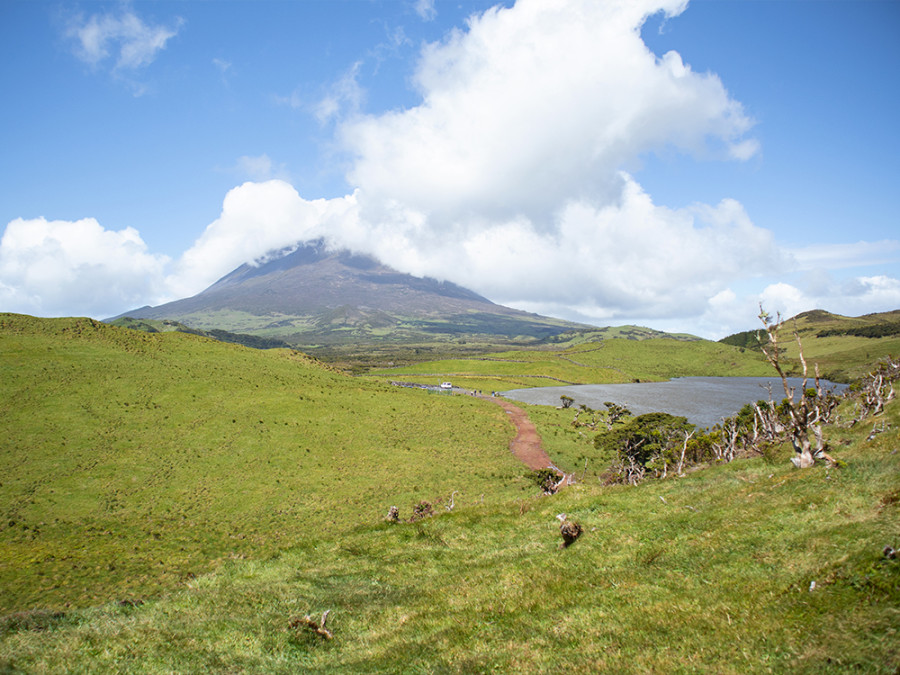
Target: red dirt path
(526,446)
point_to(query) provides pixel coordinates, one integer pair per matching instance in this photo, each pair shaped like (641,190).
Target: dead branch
(877,430)
(449,506)
(318,627)
(807,414)
(877,389)
(687,437)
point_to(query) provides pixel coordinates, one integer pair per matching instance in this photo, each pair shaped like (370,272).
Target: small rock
(569,530)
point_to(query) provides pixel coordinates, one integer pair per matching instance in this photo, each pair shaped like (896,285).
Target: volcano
(309,295)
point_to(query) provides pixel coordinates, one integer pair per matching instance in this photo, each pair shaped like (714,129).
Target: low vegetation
(746,566)
(843,347)
(598,360)
(132,462)
(169,326)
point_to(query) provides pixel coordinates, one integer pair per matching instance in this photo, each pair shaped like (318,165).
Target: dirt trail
(526,446)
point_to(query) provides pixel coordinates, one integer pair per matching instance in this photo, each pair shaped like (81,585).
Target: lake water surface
(703,400)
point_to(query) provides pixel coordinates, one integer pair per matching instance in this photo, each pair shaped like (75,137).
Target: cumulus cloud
(508,176)
(631,258)
(511,176)
(53,268)
(256,219)
(78,268)
(876,293)
(536,105)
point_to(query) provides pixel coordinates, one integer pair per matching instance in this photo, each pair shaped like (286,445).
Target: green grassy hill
(174,504)
(169,326)
(844,347)
(132,461)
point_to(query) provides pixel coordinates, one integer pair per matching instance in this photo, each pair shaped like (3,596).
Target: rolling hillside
(132,461)
(844,347)
(590,357)
(175,504)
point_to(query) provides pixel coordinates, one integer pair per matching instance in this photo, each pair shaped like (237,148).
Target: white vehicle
(446,386)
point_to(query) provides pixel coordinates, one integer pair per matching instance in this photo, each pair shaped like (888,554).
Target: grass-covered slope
(844,347)
(597,361)
(130,462)
(750,567)
(169,326)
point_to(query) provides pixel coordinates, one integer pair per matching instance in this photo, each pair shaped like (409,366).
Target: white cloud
(629,259)
(344,97)
(256,218)
(126,38)
(533,106)
(76,268)
(838,256)
(508,177)
(425,9)
(848,296)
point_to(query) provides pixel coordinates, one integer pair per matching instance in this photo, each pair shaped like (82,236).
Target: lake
(703,400)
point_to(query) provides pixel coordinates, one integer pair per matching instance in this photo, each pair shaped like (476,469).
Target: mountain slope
(314,296)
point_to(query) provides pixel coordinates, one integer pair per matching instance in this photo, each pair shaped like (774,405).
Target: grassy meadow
(131,462)
(173,504)
(630,354)
(601,361)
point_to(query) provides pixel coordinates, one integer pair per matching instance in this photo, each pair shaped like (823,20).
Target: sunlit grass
(198,506)
(609,361)
(711,572)
(133,461)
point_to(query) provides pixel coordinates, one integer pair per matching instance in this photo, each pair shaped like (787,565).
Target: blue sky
(658,162)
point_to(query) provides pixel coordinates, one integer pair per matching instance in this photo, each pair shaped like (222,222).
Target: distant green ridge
(167,326)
